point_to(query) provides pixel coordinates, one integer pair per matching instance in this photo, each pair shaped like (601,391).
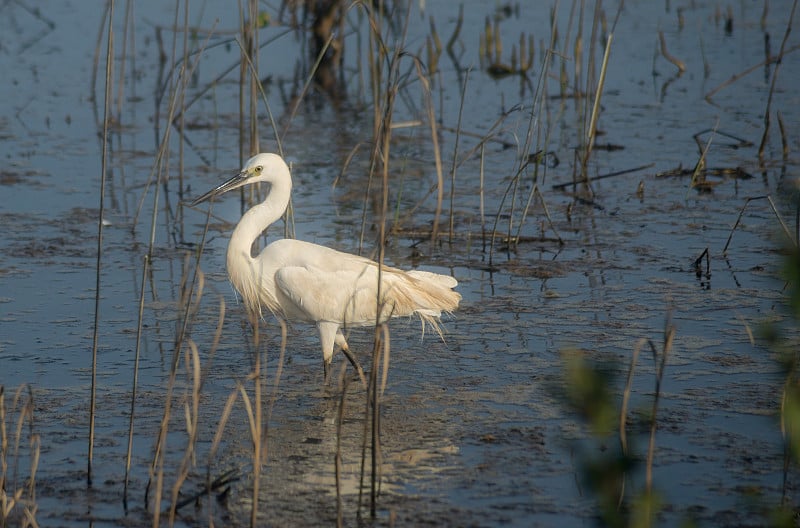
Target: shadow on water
(592,250)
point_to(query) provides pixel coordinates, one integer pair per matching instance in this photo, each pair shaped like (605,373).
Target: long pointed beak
(237,181)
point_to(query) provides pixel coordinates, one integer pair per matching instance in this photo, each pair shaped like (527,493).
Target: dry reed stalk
(289,215)
(497,44)
(606,175)
(706,64)
(200,93)
(382,130)
(666,54)
(787,451)
(176,98)
(697,173)
(373,402)
(31,507)
(309,79)
(98,266)
(102,31)
(385,137)
(127,23)
(18,500)
(456,32)
(669,336)
(256,427)
(524,160)
(578,51)
(157,464)
(217,440)
(511,185)
(482,196)
(784,138)
(163,148)
(592,129)
(535,189)
(747,201)
(243,51)
(773,83)
(254,78)
(182,112)
(437,155)
(375,62)
(455,154)
(433,47)
(733,78)
(3,455)
(623,413)
(483,139)
(135,381)
(338,456)
(191,416)
(537,192)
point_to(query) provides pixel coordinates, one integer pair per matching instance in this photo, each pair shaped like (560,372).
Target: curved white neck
(257,219)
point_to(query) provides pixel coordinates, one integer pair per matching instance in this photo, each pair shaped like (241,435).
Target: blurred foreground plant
(18,499)
(605,462)
(782,339)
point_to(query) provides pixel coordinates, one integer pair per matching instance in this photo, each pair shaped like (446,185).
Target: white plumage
(300,281)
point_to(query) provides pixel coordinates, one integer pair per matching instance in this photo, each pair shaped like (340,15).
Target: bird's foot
(356,365)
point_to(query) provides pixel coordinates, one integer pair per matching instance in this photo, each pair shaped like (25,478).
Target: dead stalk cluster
(19,446)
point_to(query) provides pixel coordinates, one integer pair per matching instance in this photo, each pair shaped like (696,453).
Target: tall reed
(100,223)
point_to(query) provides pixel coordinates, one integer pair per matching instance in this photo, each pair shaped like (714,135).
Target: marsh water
(474,429)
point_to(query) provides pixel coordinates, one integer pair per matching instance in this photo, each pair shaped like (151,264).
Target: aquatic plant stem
(773,82)
(747,201)
(672,59)
(338,456)
(437,154)
(157,463)
(483,195)
(733,78)
(455,154)
(592,130)
(98,267)
(669,336)
(623,413)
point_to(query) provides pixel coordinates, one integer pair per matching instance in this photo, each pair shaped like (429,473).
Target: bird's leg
(327,337)
(327,369)
(330,335)
(340,340)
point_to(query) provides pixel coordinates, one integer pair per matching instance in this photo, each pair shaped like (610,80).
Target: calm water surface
(473,430)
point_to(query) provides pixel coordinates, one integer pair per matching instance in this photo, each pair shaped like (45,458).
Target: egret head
(264,167)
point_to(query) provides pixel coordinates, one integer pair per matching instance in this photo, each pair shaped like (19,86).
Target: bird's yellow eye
(259,169)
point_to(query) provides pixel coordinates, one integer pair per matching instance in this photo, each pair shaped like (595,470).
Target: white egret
(300,281)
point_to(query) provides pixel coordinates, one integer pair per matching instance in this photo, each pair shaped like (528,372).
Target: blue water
(473,432)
